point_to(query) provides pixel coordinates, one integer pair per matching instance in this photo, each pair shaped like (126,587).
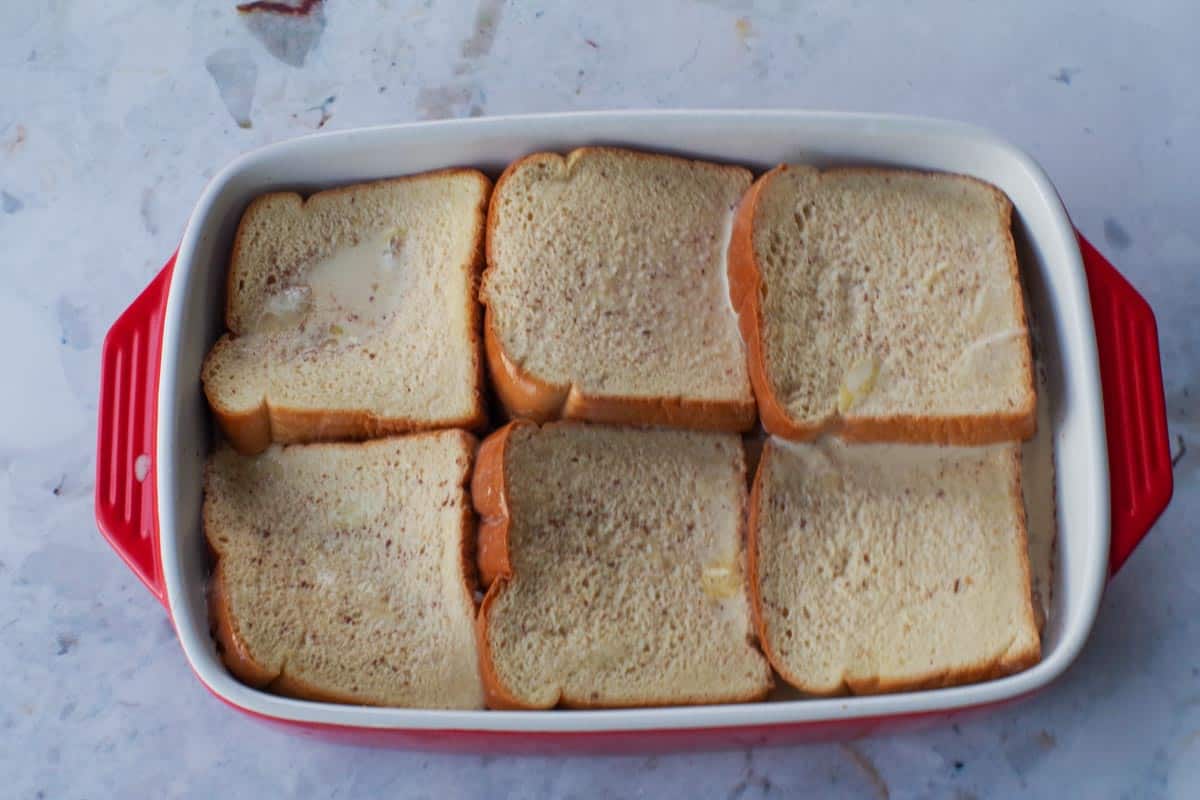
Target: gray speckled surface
(113,115)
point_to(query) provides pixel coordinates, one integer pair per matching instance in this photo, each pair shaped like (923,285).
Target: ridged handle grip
(126,461)
(1135,412)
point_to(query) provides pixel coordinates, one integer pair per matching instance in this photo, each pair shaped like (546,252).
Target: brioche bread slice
(344,572)
(352,313)
(884,305)
(606,291)
(614,559)
(881,568)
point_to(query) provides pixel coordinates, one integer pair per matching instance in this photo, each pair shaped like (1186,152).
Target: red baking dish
(1097,337)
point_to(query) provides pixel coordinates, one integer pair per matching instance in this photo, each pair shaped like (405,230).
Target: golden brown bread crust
(245,668)
(489,494)
(250,432)
(969,430)
(522,395)
(526,396)
(1007,664)
(242,663)
(229,643)
(745,291)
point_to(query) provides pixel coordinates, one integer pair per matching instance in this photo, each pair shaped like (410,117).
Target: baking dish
(1097,336)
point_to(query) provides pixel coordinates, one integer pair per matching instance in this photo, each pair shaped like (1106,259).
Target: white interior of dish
(1052,269)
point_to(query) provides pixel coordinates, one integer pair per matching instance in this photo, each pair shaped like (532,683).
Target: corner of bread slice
(239,406)
(523,395)
(230,646)
(1024,652)
(548,160)
(482,181)
(496,695)
(259,212)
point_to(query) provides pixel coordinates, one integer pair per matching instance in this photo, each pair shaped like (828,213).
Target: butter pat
(720,581)
(286,308)
(858,383)
(933,274)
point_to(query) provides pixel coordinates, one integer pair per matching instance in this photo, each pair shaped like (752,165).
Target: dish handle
(126,498)
(1135,413)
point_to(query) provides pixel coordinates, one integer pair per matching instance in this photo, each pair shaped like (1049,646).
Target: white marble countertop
(113,115)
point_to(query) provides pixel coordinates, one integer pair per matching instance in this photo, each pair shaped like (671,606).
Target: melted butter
(931,277)
(346,296)
(858,383)
(726,237)
(285,309)
(720,580)
(979,356)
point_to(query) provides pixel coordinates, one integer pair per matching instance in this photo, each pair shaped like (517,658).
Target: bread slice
(884,305)
(352,314)
(881,568)
(614,559)
(344,572)
(606,291)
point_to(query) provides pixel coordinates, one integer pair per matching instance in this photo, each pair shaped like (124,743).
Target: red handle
(126,500)
(1135,413)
